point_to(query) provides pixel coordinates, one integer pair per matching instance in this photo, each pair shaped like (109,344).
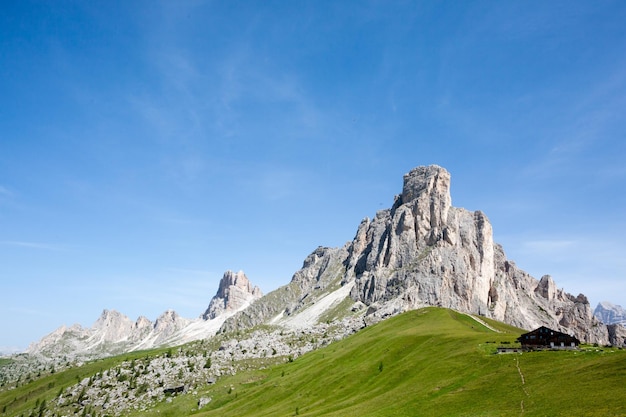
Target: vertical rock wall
(423,251)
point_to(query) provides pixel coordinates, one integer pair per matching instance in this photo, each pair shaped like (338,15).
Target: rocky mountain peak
(143,323)
(425,202)
(234,293)
(167,318)
(424,251)
(427,182)
(238,280)
(610,313)
(113,326)
(168,323)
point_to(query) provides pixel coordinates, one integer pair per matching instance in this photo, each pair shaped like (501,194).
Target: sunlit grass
(430,362)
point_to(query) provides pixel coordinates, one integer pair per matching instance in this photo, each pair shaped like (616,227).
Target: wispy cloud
(274,184)
(512,21)
(246,79)
(33,245)
(9,350)
(6,195)
(190,271)
(580,249)
(590,125)
(181,220)
(5,191)
(585,263)
(188,291)
(27,311)
(548,245)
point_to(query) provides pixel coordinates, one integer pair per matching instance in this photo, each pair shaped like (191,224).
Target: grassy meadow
(428,362)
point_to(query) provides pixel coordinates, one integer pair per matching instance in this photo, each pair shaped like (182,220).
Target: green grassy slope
(430,362)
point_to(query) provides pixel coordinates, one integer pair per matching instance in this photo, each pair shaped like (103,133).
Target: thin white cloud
(188,291)
(241,79)
(27,311)
(276,184)
(593,117)
(190,271)
(590,264)
(33,245)
(5,191)
(583,249)
(189,301)
(180,220)
(9,350)
(613,172)
(513,21)
(548,245)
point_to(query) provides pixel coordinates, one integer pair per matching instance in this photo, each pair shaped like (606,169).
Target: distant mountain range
(9,350)
(609,313)
(420,252)
(115,333)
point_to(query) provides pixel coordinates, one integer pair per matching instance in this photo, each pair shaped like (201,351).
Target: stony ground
(141,383)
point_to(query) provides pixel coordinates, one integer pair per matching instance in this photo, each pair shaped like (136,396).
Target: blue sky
(147,147)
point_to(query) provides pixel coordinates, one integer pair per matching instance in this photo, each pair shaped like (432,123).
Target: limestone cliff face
(617,334)
(234,293)
(423,251)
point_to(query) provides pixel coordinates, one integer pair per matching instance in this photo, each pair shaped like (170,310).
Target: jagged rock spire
(234,293)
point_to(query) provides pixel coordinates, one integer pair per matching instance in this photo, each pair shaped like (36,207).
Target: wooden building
(544,337)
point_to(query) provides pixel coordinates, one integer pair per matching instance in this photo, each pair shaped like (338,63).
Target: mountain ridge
(423,251)
(114,332)
(610,313)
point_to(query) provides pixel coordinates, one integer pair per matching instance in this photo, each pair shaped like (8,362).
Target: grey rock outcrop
(617,335)
(235,292)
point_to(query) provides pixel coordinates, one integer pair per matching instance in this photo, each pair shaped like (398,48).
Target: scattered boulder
(202,401)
